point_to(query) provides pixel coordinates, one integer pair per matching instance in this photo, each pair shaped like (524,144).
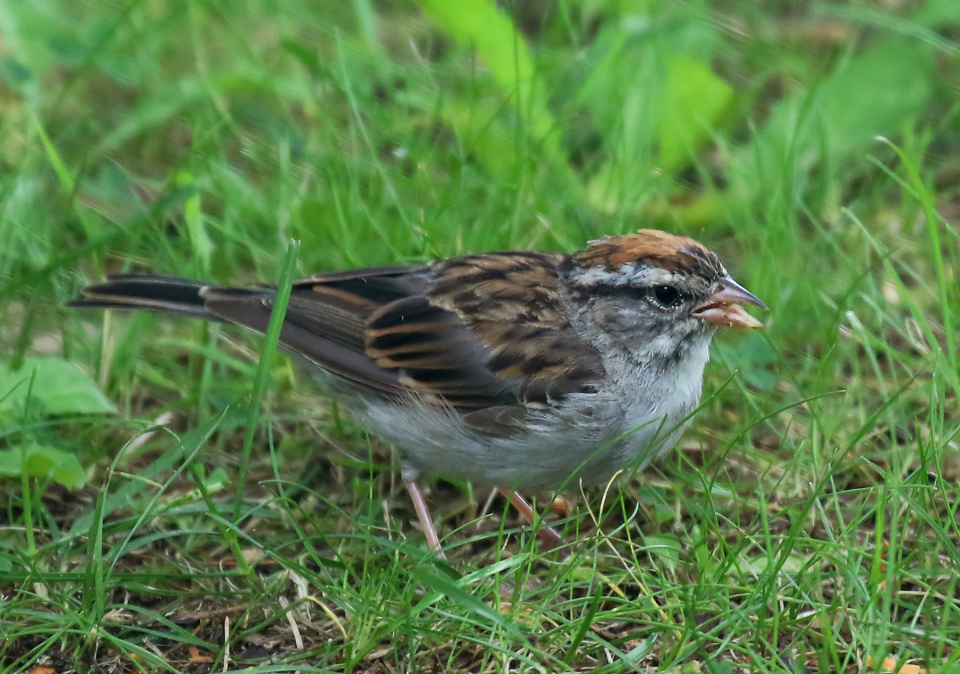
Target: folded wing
(483,334)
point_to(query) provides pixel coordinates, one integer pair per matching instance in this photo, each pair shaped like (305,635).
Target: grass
(808,521)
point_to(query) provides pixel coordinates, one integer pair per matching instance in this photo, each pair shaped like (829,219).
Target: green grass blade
(267,354)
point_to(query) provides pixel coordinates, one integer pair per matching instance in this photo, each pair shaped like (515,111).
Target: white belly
(588,438)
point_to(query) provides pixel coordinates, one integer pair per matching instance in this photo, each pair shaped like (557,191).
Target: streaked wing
(489,333)
(512,304)
(484,335)
(435,354)
(326,318)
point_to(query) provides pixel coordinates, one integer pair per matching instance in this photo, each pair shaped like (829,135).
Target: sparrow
(521,370)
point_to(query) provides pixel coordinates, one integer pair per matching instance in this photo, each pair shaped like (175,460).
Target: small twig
(226,643)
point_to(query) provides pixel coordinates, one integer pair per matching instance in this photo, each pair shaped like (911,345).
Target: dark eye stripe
(663,295)
(643,293)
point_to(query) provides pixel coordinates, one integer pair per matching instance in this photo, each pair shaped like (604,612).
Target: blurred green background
(808,522)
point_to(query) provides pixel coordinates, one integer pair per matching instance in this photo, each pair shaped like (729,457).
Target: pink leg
(549,539)
(423,514)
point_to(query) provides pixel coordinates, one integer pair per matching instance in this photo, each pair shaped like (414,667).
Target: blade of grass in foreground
(271,339)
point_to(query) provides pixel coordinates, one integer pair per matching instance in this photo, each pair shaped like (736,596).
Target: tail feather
(151,293)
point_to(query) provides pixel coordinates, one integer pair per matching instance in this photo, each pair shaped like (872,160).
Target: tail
(150,293)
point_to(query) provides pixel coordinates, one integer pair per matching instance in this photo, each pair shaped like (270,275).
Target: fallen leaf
(196,657)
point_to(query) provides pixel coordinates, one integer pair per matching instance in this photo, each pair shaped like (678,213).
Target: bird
(520,370)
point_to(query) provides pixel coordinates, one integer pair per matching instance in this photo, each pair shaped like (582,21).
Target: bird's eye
(667,296)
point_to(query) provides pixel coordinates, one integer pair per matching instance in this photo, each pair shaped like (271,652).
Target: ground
(171,505)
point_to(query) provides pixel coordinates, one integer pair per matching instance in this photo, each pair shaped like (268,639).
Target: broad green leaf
(43,461)
(876,93)
(791,565)
(694,99)
(622,93)
(714,667)
(57,388)
(481,25)
(655,102)
(760,379)
(665,547)
(872,94)
(750,350)
(938,13)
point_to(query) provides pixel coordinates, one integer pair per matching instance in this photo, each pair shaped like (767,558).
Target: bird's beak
(723,308)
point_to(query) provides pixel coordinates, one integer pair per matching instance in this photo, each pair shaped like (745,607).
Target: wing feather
(484,335)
